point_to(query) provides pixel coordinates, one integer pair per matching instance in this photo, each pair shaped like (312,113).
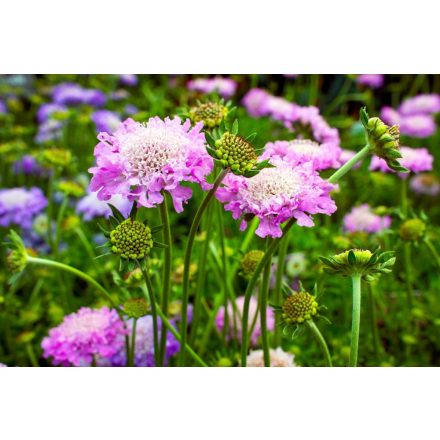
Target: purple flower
(139,161)
(225,87)
(370,80)
(47,110)
(144,345)
(92,207)
(256,102)
(127,79)
(234,328)
(49,130)
(300,151)
(2,365)
(276,195)
(425,183)
(74,94)
(415,160)
(106,120)
(420,105)
(28,165)
(363,219)
(20,205)
(83,336)
(130,109)
(3,108)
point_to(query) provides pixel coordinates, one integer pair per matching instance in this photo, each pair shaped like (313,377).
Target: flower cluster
(19,206)
(106,120)
(74,94)
(140,161)
(363,219)
(234,321)
(278,358)
(425,183)
(225,87)
(85,337)
(276,195)
(371,80)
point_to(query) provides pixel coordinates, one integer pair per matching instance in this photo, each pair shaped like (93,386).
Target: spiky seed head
(136,308)
(210,113)
(250,261)
(299,307)
(131,240)
(71,188)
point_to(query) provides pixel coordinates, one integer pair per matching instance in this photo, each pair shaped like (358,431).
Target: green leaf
(235,127)
(351,258)
(118,215)
(364,116)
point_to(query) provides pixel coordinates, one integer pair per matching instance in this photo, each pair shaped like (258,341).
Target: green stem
(404,196)
(52,178)
(264,293)
(74,271)
(175,333)
(321,341)
(131,362)
(433,251)
(356,320)
(278,287)
(153,305)
(166,280)
(58,224)
(187,259)
(373,318)
(334,178)
(408,274)
(250,288)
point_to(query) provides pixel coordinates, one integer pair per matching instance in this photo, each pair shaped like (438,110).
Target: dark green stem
(321,341)
(278,288)
(264,294)
(187,259)
(356,320)
(131,362)
(433,251)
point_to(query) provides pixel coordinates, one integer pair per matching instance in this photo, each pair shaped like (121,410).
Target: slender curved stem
(250,288)
(278,287)
(74,271)
(334,178)
(374,332)
(356,320)
(433,251)
(52,178)
(58,224)
(321,341)
(187,259)
(264,293)
(166,279)
(132,351)
(153,305)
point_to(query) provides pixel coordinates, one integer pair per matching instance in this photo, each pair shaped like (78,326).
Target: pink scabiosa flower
(301,151)
(90,206)
(276,195)
(370,80)
(19,206)
(234,329)
(84,336)
(415,160)
(256,102)
(424,104)
(128,79)
(2,365)
(278,358)
(419,126)
(363,219)
(426,184)
(106,120)
(140,160)
(225,87)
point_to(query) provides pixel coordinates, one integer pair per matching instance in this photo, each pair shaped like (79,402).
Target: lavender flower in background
(2,365)
(139,161)
(426,184)
(346,155)
(424,104)
(371,80)
(85,336)
(28,166)
(18,206)
(256,102)
(363,219)
(415,160)
(106,120)
(278,358)
(45,111)
(127,79)
(296,264)
(90,206)
(74,94)
(49,130)
(144,345)
(276,195)
(3,108)
(301,151)
(225,87)
(234,328)
(130,109)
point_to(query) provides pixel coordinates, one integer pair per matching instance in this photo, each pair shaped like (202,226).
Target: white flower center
(149,149)
(85,324)
(305,147)
(15,197)
(271,183)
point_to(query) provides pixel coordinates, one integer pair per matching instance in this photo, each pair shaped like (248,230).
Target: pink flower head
(363,219)
(140,160)
(235,328)
(256,102)
(225,87)
(390,116)
(301,151)
(90,206)
(282,110)
(419,126)
(426,184)
(276,195)
(278,358)
(370,80)
(421,105)
(83,336)
(415,160)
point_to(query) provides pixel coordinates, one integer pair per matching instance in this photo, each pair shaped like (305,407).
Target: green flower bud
(299,307)
(412,229)
(136,308)
(210,113)
(131,240)
(71,188)
(369,265)
(55,157)
(70,223)
(224,362)
(134,277)
(16,259)
(250,261)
